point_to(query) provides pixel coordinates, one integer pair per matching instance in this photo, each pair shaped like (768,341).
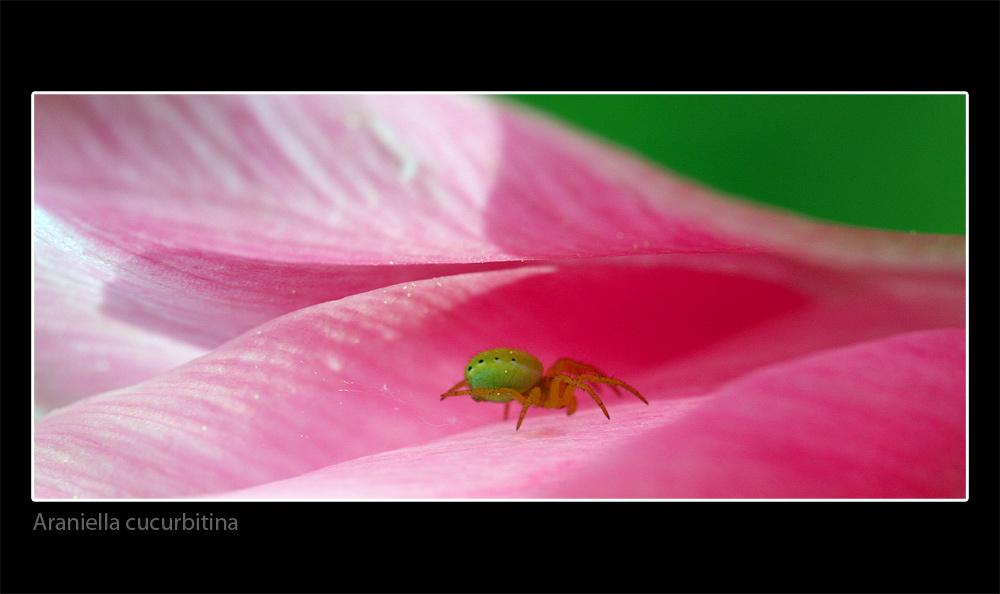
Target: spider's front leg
(504,395)
(455,387)
(533,397)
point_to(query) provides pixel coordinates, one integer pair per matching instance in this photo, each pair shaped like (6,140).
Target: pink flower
(264,296)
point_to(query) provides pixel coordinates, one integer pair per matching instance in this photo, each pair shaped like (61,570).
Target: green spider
(506,375)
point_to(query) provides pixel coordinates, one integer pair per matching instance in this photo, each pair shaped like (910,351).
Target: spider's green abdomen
(503,368)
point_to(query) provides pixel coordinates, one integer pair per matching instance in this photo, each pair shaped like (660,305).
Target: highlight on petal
(361,376)
(344,179)
(195,218)
(356,180)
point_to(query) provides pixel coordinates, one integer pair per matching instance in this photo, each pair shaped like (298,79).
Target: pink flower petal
(362,375)
(168,225)
(881,419)
(325,238)
(107,318)
(833,425)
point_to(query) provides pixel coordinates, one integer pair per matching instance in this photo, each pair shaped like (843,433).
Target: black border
(481,547)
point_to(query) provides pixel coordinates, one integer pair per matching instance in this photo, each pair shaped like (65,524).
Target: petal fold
(882,419)
(361,375)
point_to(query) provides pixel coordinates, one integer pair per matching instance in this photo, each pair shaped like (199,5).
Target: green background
(886,161)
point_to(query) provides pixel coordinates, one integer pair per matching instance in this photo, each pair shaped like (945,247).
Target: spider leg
(571,366)
(562,394)
(566,365)
(506,409)
(611,382)
(457,386)
(575,381)
(570,398)
(534,397)
(514,394)
(520,418)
